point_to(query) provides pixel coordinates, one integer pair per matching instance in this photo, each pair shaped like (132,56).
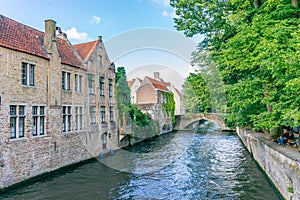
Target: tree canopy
(255,46)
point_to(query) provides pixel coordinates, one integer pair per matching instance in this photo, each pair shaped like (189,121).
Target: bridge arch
(186,120)
(199,119)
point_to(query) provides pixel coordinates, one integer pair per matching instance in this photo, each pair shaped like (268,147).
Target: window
(38,115)
(27,74)
(91,84)
(66,118)
(100,61)
(104,140)
(111,113)
(78,83)
(101,84)
(93,114)
(78,117)
(66,80)
(17,121)
(103,114)
(110,87)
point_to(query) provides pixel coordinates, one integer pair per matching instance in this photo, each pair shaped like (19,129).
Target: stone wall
(281,164)
(22,158)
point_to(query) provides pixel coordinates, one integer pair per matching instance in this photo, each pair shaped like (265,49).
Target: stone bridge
(184,121)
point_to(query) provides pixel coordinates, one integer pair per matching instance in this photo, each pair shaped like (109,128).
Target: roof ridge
(23,38)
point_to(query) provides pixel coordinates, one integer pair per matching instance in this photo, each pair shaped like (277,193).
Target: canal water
(179,165)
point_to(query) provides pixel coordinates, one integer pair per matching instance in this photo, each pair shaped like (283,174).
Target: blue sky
(113,19)
(85,20)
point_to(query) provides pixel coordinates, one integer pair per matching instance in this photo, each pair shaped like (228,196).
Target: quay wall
(281,164)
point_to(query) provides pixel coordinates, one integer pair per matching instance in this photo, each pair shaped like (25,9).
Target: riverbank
(281,164)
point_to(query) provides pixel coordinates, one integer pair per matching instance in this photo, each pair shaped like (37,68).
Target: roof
(130,83)
(68,55)
(178,92)
(20,37)
(85,49)
(158,85)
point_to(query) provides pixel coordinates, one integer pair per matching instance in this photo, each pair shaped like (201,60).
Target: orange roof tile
(85,49)
(68,56)
(19,37)
(157,84)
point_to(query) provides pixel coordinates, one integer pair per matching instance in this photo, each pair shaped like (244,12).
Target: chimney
(50,28)
(156,75)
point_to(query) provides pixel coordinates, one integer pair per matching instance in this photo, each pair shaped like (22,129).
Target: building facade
(54,110)
(150,94)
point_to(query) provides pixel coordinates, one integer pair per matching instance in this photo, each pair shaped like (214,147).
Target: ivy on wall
(169,105)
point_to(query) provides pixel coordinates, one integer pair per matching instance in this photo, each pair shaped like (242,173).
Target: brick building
(149,95)
(57,103)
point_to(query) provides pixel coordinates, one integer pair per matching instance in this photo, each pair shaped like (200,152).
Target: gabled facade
(179,103)
(101,97)
(150,98)
(134,86)
(48,116)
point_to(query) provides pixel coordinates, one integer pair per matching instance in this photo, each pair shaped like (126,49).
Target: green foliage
(121,72)
(256,50)
(138,117)
(169,105)
(122,92)
(196,94)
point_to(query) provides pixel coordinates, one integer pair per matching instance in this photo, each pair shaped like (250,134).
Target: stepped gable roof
(85,49)
(20,37)
(158,85)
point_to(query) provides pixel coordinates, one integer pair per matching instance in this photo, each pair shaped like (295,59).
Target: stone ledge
(281,164)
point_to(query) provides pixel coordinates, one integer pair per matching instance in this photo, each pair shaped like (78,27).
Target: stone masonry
(75,128)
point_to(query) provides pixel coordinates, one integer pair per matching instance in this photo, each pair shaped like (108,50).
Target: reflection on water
(179,165)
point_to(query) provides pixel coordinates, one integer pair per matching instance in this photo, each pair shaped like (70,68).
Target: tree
(121,72)
(196,95)
(255,45)
(122,92)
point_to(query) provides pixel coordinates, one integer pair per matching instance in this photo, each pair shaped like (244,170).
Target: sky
(143,29)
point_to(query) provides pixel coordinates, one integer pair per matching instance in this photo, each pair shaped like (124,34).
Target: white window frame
(101,85)
(111,113)
(78,83)
(17,119)
(93,114)
(66,81)
(102,112)
(78,117)
(66,115)
(38,120)
(27,74)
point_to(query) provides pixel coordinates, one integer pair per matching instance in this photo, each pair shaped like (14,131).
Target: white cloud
(74,34)
(165,13)
(165,3)
(95,19)
(171,14)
